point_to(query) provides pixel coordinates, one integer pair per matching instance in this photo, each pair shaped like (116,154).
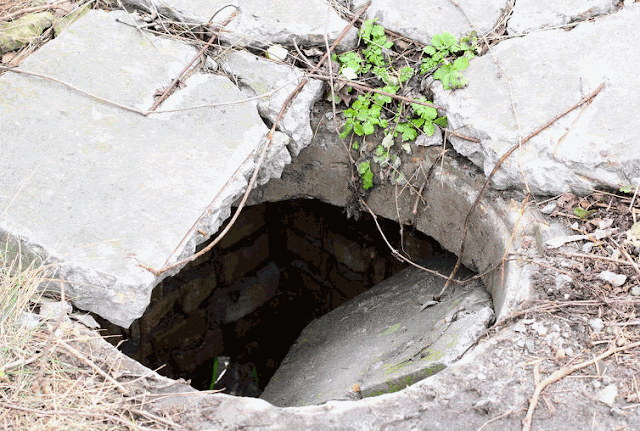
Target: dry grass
(48,384)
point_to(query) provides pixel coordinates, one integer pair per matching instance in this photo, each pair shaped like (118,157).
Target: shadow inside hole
(237,310)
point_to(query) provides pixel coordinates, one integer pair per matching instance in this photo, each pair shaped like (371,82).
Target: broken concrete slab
(99,189)
(529,15)
(259,24)
(421,20)
(395,341)
(279,80)
(548,72)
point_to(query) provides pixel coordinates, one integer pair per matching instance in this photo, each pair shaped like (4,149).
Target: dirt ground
(578,341)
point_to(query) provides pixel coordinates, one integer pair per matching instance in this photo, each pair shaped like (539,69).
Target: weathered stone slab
(260,23)
(531,15)
(381,340)
(422,20)
(98,188)
(547,73)
(264,76)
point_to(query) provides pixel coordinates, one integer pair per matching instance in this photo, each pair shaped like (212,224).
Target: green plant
(443,48)
(376,110)
(582,213)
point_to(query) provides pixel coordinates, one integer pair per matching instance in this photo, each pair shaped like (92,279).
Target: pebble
(612,278)
(634,291)
(587,247)
(596,324)
(548,208)
(608,395)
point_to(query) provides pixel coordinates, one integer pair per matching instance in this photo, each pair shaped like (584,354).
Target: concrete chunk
(98,188)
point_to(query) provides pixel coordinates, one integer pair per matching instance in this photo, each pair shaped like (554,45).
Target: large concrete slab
(546,73)
(260,23)
(531,15)
(382,340)
(99,188)
(421,20)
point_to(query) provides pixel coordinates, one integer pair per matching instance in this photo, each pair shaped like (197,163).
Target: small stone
(634,291)
(277,52)
(612,278)
(519,327)
(569,351)
(596,384)
(587,247)
(548,208)
(481,376)
(561,354)
(608,395)
(596,324)
(530,345)
(600,234)
(542,331)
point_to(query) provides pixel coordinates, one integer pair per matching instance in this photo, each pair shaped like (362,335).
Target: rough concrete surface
(543,74)
(100,188)
(395,341)
(260,23)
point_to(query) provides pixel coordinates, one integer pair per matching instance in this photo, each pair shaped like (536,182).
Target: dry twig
(493,172)
(563,372)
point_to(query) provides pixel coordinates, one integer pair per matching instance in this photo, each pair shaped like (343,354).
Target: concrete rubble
(103,190)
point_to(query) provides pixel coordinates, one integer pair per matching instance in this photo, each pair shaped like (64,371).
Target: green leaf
(444,41)
(426,112)
(442,121)
(461,63)
(358,129)
(355,145)
(364,169)
(582,213)
(429,50)
(368,128)
(408,131)
(429,129)
(348,128)
(405,74)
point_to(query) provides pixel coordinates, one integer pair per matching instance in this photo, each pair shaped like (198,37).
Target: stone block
(196,291)
(187,361)
(249,221)
(238,263)
(309,251)
(184,334)
(382,340)
(349,253)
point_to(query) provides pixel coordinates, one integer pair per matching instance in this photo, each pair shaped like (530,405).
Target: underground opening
(229,319)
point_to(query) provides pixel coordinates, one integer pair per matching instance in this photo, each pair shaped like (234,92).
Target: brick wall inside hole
(282,265)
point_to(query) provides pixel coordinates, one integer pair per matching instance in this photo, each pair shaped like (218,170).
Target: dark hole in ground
(282,265)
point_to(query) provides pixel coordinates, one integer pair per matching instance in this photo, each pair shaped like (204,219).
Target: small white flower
(349,73)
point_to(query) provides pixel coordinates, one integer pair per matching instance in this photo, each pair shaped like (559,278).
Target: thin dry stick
(175,82)
(73,412)
(563,372)
(93,96)
(89,363)
(493,172)
(595,257)
(398,254)
(258,164)
(13,15)
(375,90)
